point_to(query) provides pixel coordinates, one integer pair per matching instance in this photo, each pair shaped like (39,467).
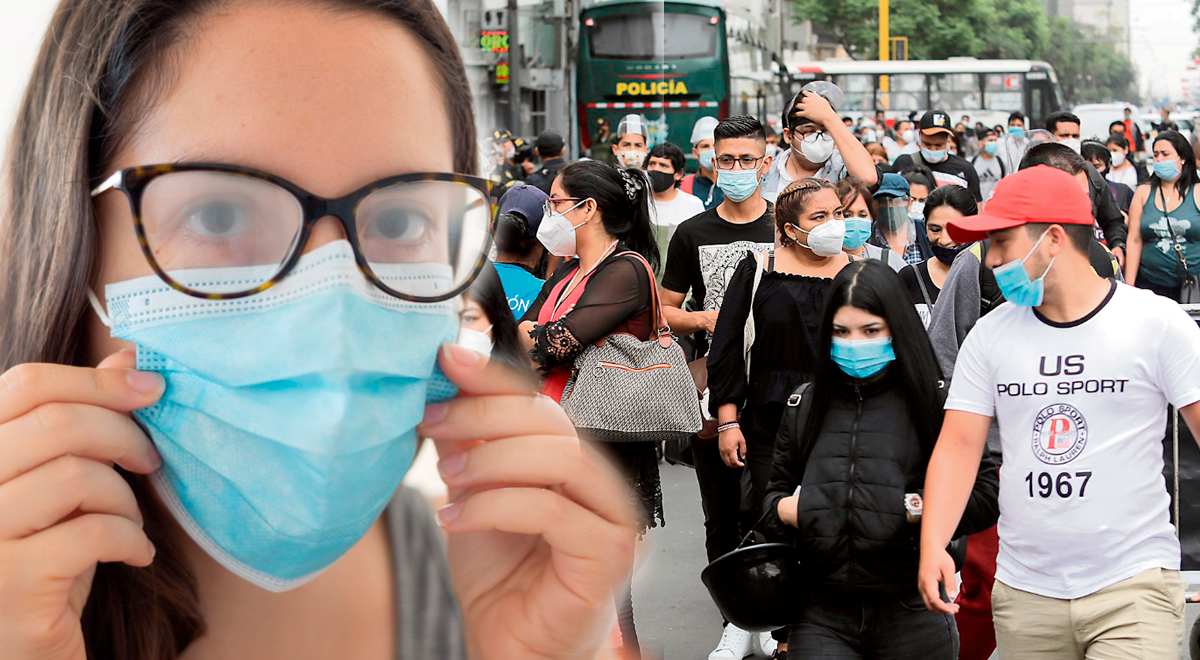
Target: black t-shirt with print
(707,249)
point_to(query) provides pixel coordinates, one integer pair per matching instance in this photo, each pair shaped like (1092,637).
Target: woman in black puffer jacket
(850,447)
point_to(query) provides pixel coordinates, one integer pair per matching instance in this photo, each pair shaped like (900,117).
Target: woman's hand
(63,508)
(788,510)
(541,531)
(733,447)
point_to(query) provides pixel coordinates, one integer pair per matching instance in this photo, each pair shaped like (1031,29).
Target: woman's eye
(469,319)
(402,225)
(217,219)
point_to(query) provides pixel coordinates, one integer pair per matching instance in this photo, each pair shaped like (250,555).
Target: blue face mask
(706,158)
(1166,170)
(991,148)
(1015,284)
(932,156)
(858,230)
(737,185)
(289,416)
(862,358)
(1017,132)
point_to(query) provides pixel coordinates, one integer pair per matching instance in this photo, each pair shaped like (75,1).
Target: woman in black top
(786,308)
(603,214)
(924,280)
(851,446)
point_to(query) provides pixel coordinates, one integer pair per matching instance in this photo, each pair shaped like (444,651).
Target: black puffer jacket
(853,533)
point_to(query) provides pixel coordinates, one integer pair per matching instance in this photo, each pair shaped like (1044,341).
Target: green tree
(1089,68)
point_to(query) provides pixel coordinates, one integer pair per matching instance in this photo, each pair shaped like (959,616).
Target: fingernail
(435,413)
(449,513)
(452,465)
(153,550)
(462,356)
(155,458)
(145,382)
(141,520)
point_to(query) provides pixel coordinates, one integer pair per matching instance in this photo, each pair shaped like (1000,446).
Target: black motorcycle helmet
(755,587)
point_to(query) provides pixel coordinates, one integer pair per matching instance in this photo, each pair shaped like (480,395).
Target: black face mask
(661,181)
(944,254)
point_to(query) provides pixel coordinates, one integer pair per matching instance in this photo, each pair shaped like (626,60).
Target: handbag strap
(663,329)
(749,330)
(924,291)
(1184,276)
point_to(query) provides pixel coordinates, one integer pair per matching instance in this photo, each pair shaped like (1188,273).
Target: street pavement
(676,619)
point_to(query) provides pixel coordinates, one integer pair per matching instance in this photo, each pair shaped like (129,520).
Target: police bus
(668,61)
(984,90)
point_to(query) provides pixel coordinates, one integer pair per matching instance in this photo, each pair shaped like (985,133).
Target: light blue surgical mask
(1017,132)
(932,156)
(858,230)
(862,358)
(1015,284)
(737,185)
(706,158)
(1166,170)
(289,416)
(991,148)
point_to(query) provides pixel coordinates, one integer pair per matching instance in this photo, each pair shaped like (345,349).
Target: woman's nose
(327,230)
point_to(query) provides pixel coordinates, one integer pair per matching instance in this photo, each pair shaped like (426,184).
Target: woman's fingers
(596,552)
(476,375)
(27,386)
(55,429)
(934,572)
(39,499)
(492,417)
(558,462)
(68,549)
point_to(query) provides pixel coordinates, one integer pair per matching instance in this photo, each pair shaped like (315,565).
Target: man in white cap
(631,147)
(703,184)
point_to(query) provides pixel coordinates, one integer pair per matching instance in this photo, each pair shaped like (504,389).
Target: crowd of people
(828,288)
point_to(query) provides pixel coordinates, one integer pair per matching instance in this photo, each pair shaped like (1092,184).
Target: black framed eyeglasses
(193,217)
(747,162)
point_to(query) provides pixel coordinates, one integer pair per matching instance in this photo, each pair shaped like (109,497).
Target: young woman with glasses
(235,189)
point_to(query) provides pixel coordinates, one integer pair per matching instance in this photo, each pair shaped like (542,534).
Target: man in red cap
(1078,371)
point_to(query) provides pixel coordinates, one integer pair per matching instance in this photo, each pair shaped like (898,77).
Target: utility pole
(884,55)
(514,68)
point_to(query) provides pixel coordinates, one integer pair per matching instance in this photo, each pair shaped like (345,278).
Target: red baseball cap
(1040,194)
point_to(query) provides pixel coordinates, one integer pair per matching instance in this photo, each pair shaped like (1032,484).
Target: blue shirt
(520,287)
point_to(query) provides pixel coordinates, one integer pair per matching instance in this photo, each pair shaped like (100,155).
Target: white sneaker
(767,644)
(735,644)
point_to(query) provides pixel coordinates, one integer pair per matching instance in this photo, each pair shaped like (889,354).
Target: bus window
(652,36)
(908,92)
(955,92)
(859,90)
(1005,91)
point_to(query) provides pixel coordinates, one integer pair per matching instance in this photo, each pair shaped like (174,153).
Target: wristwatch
(913,506)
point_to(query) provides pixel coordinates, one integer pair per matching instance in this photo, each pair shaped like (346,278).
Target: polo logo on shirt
(1059,434)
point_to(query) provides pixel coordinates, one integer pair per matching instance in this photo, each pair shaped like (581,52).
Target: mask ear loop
(99,308)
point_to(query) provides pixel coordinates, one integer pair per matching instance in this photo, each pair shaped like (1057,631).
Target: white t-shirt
(1081,409)
(1128,177)
(671,214)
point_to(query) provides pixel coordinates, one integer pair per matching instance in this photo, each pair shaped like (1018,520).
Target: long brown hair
(102,64)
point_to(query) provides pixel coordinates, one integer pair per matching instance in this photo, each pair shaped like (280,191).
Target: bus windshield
(652,36)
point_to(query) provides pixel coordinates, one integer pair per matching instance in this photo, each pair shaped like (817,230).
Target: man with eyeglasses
(821,146)
(703,254)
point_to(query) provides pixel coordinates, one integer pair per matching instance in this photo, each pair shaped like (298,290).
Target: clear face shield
(893,220)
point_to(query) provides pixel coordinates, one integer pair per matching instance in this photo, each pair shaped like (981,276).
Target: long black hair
(623,198)
(874,287)
(488,292)
(1188,178)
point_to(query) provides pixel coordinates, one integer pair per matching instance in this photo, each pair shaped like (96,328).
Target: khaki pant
(1138,619)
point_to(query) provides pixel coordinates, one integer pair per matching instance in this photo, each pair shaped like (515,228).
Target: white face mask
(916,212)
(557,233)
(826,239)
(475,340)
(631,158)
(1074,143)
(817,148)
(1118,159)
(908,136)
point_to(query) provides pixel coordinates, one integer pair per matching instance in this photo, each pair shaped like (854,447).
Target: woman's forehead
(329,99)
